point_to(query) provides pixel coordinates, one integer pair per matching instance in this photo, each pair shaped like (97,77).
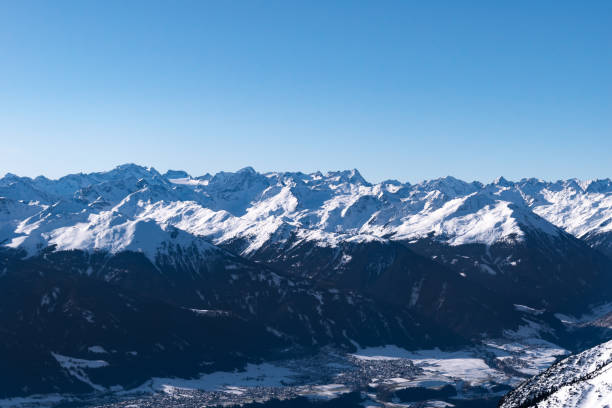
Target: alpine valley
(132,288)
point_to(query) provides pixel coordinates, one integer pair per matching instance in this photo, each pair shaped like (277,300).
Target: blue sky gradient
(398,89)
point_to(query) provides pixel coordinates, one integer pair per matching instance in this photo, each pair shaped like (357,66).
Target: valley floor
(385,376)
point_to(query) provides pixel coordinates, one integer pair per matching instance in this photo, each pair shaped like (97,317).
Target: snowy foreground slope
(582,380)
(114,280)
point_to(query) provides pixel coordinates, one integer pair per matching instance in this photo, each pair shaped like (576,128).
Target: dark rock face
(49,308)
(600,241)
(470,289)
(169,319)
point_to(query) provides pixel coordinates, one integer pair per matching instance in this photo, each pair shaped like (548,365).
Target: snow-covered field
(471,366)
(530,356)
(254,375)
(438,366)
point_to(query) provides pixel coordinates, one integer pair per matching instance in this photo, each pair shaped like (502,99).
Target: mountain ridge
(327,208)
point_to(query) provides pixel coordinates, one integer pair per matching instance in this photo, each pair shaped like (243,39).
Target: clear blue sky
(407,90)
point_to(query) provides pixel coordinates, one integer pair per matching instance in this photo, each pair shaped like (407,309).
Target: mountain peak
(247,169)
(176,174)
(352,176)
(130,166)
(134,170)
(450,186)
(599,186)
(501,181)
(11,176)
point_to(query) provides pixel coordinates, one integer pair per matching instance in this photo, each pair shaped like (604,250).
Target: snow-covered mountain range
(136,208)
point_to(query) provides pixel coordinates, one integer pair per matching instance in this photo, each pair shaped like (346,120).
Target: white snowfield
(583,380)
(76,366)
(136,208)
